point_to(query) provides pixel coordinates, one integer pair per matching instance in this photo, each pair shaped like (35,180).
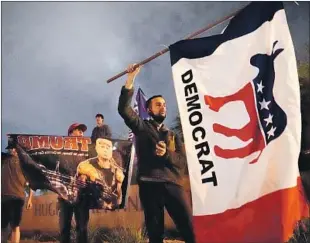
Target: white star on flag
(268,119)
(260,87)
(271,132)
(264,104)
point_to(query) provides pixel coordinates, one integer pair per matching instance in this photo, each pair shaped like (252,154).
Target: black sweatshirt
(150,166)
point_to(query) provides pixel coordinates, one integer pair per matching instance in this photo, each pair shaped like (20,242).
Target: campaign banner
(76,169)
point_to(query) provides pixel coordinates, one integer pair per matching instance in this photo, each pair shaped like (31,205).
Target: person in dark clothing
(13,184)
(80,210)
(161,159)
(101,130)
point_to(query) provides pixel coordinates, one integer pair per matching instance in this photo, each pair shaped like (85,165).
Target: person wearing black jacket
(161,159)
(101,130)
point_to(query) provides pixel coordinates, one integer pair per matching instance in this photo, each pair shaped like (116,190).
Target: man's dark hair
(100,115)
(148,102)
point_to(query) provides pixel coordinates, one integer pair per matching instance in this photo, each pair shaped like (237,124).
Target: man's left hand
(161,148)
(29,205)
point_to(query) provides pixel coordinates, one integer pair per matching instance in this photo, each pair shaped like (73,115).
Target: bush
(116,235)
(128,235)
(301,232)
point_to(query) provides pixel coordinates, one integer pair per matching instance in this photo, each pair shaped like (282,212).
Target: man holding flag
(160,160)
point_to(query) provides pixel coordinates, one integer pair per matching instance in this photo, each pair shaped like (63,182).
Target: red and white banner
(239,102)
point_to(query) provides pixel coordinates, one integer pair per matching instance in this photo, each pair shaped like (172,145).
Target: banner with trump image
(239,102)
(76,169)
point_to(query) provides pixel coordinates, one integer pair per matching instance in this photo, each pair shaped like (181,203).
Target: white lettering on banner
(198,133)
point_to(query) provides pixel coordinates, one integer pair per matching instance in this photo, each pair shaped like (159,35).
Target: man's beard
(158,118)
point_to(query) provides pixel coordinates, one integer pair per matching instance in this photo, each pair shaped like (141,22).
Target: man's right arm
(131,118)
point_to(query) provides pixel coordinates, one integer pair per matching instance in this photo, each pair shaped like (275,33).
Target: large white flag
(239,102)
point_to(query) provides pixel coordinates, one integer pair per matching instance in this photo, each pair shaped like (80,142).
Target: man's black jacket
(150,166)
(100,132)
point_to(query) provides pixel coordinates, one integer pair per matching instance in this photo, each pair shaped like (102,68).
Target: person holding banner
(80,210)
(161,159)
(13,185)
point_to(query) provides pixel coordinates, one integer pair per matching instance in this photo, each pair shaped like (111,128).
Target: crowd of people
(160,157)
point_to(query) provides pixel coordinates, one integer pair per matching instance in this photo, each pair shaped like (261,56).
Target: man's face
(158,106)
(157,109)
(77,133)
(104,148)
(99,120)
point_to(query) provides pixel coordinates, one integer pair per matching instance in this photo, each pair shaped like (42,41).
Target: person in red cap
(80,210)
(77,129)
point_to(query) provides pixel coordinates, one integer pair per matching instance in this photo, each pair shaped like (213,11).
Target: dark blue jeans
(155,196)
(81,214)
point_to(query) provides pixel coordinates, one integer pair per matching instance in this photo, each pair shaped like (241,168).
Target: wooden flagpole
(187,38)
